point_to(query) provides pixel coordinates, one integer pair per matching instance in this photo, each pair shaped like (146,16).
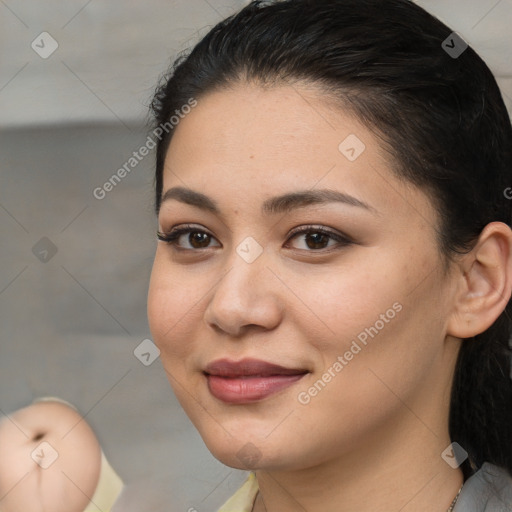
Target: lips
(248,380)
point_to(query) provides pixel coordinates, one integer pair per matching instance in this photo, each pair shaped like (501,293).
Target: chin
(247,452)
(247,458)
(238,436)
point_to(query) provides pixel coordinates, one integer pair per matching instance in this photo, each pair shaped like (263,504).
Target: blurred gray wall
(75,268)
(110,53)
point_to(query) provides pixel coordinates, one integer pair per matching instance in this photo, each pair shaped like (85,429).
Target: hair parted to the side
(441,119)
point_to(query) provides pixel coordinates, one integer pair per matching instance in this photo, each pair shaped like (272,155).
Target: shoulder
(488,490)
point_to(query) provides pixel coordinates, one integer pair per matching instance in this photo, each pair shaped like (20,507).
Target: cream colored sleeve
(108,490)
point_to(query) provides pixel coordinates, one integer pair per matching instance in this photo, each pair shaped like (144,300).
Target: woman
(330,292)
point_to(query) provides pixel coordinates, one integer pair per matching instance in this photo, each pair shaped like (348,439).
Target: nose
(245,298)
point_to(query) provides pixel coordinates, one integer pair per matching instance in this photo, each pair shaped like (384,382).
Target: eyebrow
(275,205)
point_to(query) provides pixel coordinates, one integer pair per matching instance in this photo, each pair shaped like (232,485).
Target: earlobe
(485,282)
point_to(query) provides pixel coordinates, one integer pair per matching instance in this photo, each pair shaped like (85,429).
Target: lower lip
(248,389)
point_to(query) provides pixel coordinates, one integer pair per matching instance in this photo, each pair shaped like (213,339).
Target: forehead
(271,124)
(251,143)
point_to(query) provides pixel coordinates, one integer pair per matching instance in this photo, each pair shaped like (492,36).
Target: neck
(399,469)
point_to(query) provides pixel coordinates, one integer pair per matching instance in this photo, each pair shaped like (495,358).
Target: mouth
(248,380)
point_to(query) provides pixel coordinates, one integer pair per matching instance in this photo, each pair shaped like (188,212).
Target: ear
(485,283)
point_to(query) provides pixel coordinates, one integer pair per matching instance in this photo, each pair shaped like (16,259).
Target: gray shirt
(488,490)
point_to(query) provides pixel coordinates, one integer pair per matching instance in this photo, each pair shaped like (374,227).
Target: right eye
(197,238)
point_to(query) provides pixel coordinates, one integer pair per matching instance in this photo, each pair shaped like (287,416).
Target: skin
(67,482)
(372,438)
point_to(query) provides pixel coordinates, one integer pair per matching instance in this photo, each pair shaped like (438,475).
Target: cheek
(173,302)
(387,341)
(349,300)
(377,317)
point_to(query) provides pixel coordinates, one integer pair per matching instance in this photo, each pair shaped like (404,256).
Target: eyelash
(173,236)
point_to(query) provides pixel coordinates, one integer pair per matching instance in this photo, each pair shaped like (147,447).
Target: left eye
(318,238)
(314,238)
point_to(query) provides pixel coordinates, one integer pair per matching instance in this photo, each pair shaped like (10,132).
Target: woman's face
(295,330)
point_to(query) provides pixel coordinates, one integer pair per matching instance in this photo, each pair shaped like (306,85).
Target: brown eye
(196,239)
(316,239)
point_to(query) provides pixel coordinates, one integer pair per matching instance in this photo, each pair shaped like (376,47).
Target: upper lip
(248,367)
